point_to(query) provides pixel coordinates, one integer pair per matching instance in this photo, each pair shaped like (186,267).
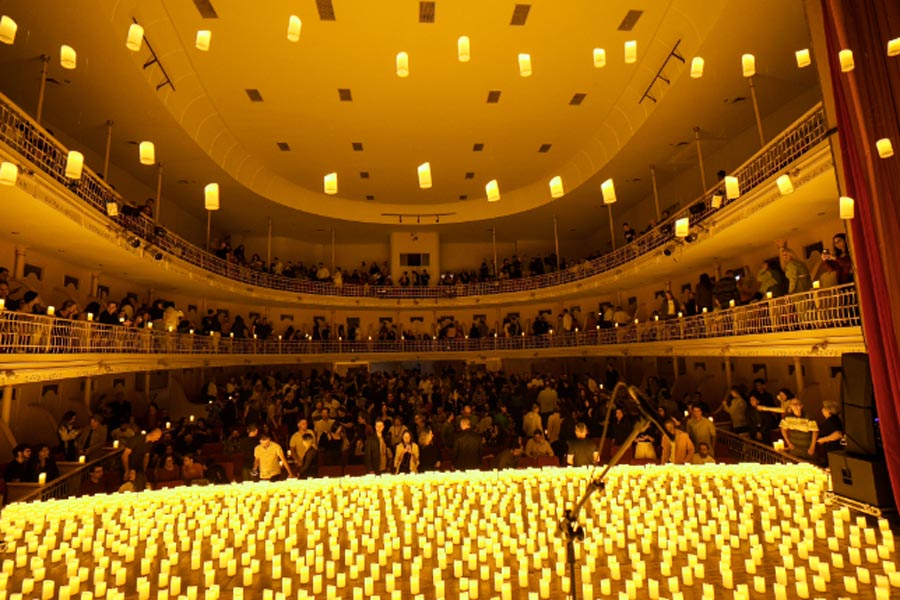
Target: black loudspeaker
(860,416)
(865,480)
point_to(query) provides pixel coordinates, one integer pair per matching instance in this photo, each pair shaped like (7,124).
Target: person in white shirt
(269,458)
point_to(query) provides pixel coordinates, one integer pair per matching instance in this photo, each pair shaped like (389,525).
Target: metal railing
(67,484)
(817,309)
(743,449)
(38,147)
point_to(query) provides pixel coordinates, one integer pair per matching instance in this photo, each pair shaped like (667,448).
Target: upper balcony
(94,206)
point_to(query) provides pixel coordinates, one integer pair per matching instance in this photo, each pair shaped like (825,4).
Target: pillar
(147,384)
(19,264)
(6,404)
(798,375)
(95,284)
(729,374)
(88,385)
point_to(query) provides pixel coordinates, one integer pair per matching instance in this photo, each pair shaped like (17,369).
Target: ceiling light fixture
(748,65)
(294,26)
(425,175)
(204,36)
(631,52)
(599,58)
(846,59)
(9,173)
(803,58)
(147,153)
(463,49)
(847,207)
(732,188)
(112,208)
(402,64)
(8,29)
(697,64)
(331,184)
(885,148)
(67,57)
(135,37)
(785,185)
(682,226)
(492,189)
(609,191)
(893,46)
(211,196)
(525,65)
(556,187)
(74,164)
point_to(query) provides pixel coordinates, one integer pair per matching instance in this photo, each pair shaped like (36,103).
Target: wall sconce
(402,64)
(67,57)
(135,37)
(294,26)
(556,187)
(463,48)
(697,64)
(599,58)
(74,164)
(204,37)
(608,189)
(803,58)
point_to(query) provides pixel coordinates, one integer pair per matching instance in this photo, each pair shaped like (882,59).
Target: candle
(687,576)
(545,588)
(819,583)
(850,584)
(47,590)
(42,478)
(81,459)
(759,584)
(116,444)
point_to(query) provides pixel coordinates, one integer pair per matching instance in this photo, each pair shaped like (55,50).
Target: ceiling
(206,128)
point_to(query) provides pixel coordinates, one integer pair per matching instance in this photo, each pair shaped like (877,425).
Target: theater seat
(527,461)
(354,470)
(547,461)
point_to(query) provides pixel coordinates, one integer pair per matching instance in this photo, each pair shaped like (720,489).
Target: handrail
(38,147)
(816,309)
(67,484)
(744,449)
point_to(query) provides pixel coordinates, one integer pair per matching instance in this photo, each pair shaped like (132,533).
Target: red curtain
(866,105)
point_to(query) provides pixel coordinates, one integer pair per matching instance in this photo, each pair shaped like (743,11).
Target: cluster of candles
(655,531)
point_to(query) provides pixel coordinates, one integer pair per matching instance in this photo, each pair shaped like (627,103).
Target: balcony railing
(38,147)
(67,484)
(817,309)
(743,449)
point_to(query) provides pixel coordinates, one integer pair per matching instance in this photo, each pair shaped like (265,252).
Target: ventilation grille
(520,14)
(284,146)
(206,10)
(345,95)
(326,10)
(630,20)
(254,95)
(426,12)
(493,97)
(477,147)
(363,174)
(463,197)
(357,146)
(370,197)
(470,175)
(577,99)
(545,148)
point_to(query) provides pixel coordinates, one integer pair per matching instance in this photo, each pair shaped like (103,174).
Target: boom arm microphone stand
(569,526)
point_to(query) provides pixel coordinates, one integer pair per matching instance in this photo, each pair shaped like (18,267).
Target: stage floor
(713,531)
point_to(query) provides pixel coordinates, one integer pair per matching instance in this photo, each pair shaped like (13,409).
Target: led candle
(850,585)
(759,584)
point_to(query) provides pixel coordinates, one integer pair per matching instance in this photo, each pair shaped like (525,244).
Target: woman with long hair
(406,456)
(68,433)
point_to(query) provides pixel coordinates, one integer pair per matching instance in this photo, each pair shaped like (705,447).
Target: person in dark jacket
(429,454)
(466,447)
(377,452)
(704,293)
(309,464)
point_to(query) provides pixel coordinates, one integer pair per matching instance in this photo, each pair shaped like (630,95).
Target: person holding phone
(406,458)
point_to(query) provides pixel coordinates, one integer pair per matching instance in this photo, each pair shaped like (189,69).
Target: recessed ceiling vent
(206,10)
(326,10)
(463,197)
(493,97)
(470,175)
(254,95)
(284,146)
(545,148)
(477,147)
(345,95)
(357,146)
(520,14)
(630,20)
(577,99)
(426,12)
(363,174)
(370,197)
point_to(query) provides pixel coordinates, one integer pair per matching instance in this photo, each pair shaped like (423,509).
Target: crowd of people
(288,424)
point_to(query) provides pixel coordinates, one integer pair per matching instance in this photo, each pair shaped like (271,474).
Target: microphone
(648,410)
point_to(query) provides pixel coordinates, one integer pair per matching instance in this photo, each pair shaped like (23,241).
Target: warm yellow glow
(211,196)
(599,57)
(716,201)
(609,191)
(204,37)
(893,46)
(885,148)
(556,187)
(682,226)
(135,37)
(331,184)
(847,207)
(51,310)
(748,65)
(463,49)
(9,173)
(425,175)
(846,59)
(525,65)
(8,29)
(67,57)
(74,164)
(492,189)
(631,51)
(294,26)
(147,153)
(785,185)
(697,65)
(402,64)
(732,188)
(803,58)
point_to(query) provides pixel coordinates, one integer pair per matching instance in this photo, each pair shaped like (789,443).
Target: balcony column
(798,375)
(109,127)
(88,385)
(6,404)
(147,383)
(19,264)
(729,373)
(95,284)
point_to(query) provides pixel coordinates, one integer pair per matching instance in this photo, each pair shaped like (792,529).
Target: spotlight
(668,251)
(157,255)
(437,218)
(691,238)
(135,242)
(401,219)
(160,231)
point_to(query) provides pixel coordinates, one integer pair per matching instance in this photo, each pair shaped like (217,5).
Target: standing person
(248,449)
(701,429)
(466,447)
(582,451)
(736,407)
(547,400)
(376,450)
(831,432)
(429,454)
(677,451)
(136,455)
(308,465)
(268,458)
(68,434)
(93,438)
(406,457)
(799,432)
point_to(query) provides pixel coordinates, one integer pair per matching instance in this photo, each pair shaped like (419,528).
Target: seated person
(169,471)
(19,470)
(96,482)
(128,485)
(702,456)
(192,471)
(44,463)
(538,446)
